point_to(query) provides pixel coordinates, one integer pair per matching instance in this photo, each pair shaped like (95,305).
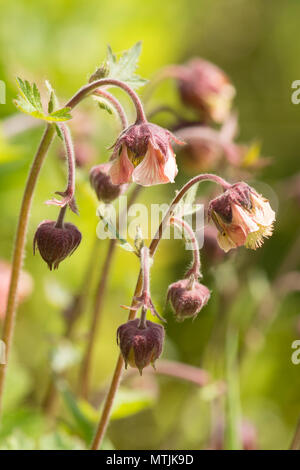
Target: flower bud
(56,243)
(143,154)
(187,297)
(201,155)
(140,346)
(206,88)
(242,216)
(101,182)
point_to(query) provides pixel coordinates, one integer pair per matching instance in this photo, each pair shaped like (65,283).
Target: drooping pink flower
(143,154)
(242,216)
(206,88)
(24,289)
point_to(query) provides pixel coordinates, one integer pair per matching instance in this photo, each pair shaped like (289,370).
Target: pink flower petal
(122,168)
(151,170)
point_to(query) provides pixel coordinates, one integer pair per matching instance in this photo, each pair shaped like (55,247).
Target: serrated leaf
(103,104)
(60,115)
(29,102)
(59,132)
(124,68)
(53,103)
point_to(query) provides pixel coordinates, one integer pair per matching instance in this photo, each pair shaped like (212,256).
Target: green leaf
(53,101)
(29,102)
(83,425)
(124,68)
(60,115)
(129,402)
(104,104)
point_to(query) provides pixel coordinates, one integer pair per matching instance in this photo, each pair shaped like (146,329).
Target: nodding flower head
(140,346)
(242,216)
(206,88)
(187,297)
(56,243)
(143,154)
(201,155)
(101,182)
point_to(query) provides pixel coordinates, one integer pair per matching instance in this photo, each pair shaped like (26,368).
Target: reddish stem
(68,194)
(91,87)
(195,269)
(104,420)
(116,104)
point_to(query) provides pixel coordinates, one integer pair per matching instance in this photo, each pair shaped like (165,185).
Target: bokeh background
(244,335)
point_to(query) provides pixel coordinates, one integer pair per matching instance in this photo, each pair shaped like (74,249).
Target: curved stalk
(104,419)
(116,104)
(68,194)
(196,266)
(91,87)
(19,248)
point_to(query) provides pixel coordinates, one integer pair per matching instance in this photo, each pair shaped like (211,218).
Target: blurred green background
(257,44)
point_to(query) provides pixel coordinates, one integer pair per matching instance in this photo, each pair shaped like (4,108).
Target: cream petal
(151,170)
(225,242)
(121,169)
(263,213)
(241,217)
(170,169)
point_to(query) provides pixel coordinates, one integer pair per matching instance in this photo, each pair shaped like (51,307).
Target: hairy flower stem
(68,194)
(91,87)
(19,248)
(196,266)
(116,104)
(85,370)
(104,419)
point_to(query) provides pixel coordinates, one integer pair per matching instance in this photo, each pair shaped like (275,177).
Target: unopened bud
(56,243)
(140,346)
(187,297)
(101,182)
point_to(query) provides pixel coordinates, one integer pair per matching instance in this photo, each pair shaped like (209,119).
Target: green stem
(19,248)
